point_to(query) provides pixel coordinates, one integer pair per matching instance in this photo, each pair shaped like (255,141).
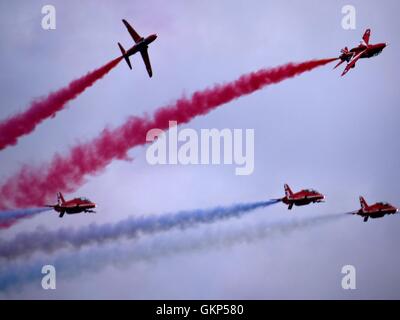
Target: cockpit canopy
(384,203)
(84,199)
(311,191)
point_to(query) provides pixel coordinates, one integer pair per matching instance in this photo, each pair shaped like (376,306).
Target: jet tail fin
(363,203)
(366,36)
(125,56)
(288,191)
(60,198)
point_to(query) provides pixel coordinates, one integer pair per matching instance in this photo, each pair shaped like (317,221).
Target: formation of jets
(308,196)
(300,198)
(363,50)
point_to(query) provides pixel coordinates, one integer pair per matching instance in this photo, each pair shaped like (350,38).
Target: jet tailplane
(125,56)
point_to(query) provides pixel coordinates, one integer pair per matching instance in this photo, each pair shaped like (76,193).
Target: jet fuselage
(372,50)
(303,200)
(377,210)
(142,44)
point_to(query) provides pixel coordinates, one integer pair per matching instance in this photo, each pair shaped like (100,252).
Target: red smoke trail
(36,186)
(25,122)
(5,225)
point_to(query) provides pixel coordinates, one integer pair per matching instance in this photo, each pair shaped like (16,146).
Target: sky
(319,130)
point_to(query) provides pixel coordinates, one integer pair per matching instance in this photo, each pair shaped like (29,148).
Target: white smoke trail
(10,215)
(69,264)
(48,241)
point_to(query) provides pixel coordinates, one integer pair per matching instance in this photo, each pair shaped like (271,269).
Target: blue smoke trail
(70,264)
(49,241)
(11,215)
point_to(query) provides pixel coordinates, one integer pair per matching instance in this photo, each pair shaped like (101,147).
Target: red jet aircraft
(141,45)
(377,210)
(301,198)
(364,50)
(73,206)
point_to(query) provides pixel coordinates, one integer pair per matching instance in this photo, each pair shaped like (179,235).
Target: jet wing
(136,37)
(146,60)
(352,63)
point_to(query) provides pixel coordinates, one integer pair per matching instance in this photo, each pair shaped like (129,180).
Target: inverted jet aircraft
(141,45)
(364,50)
